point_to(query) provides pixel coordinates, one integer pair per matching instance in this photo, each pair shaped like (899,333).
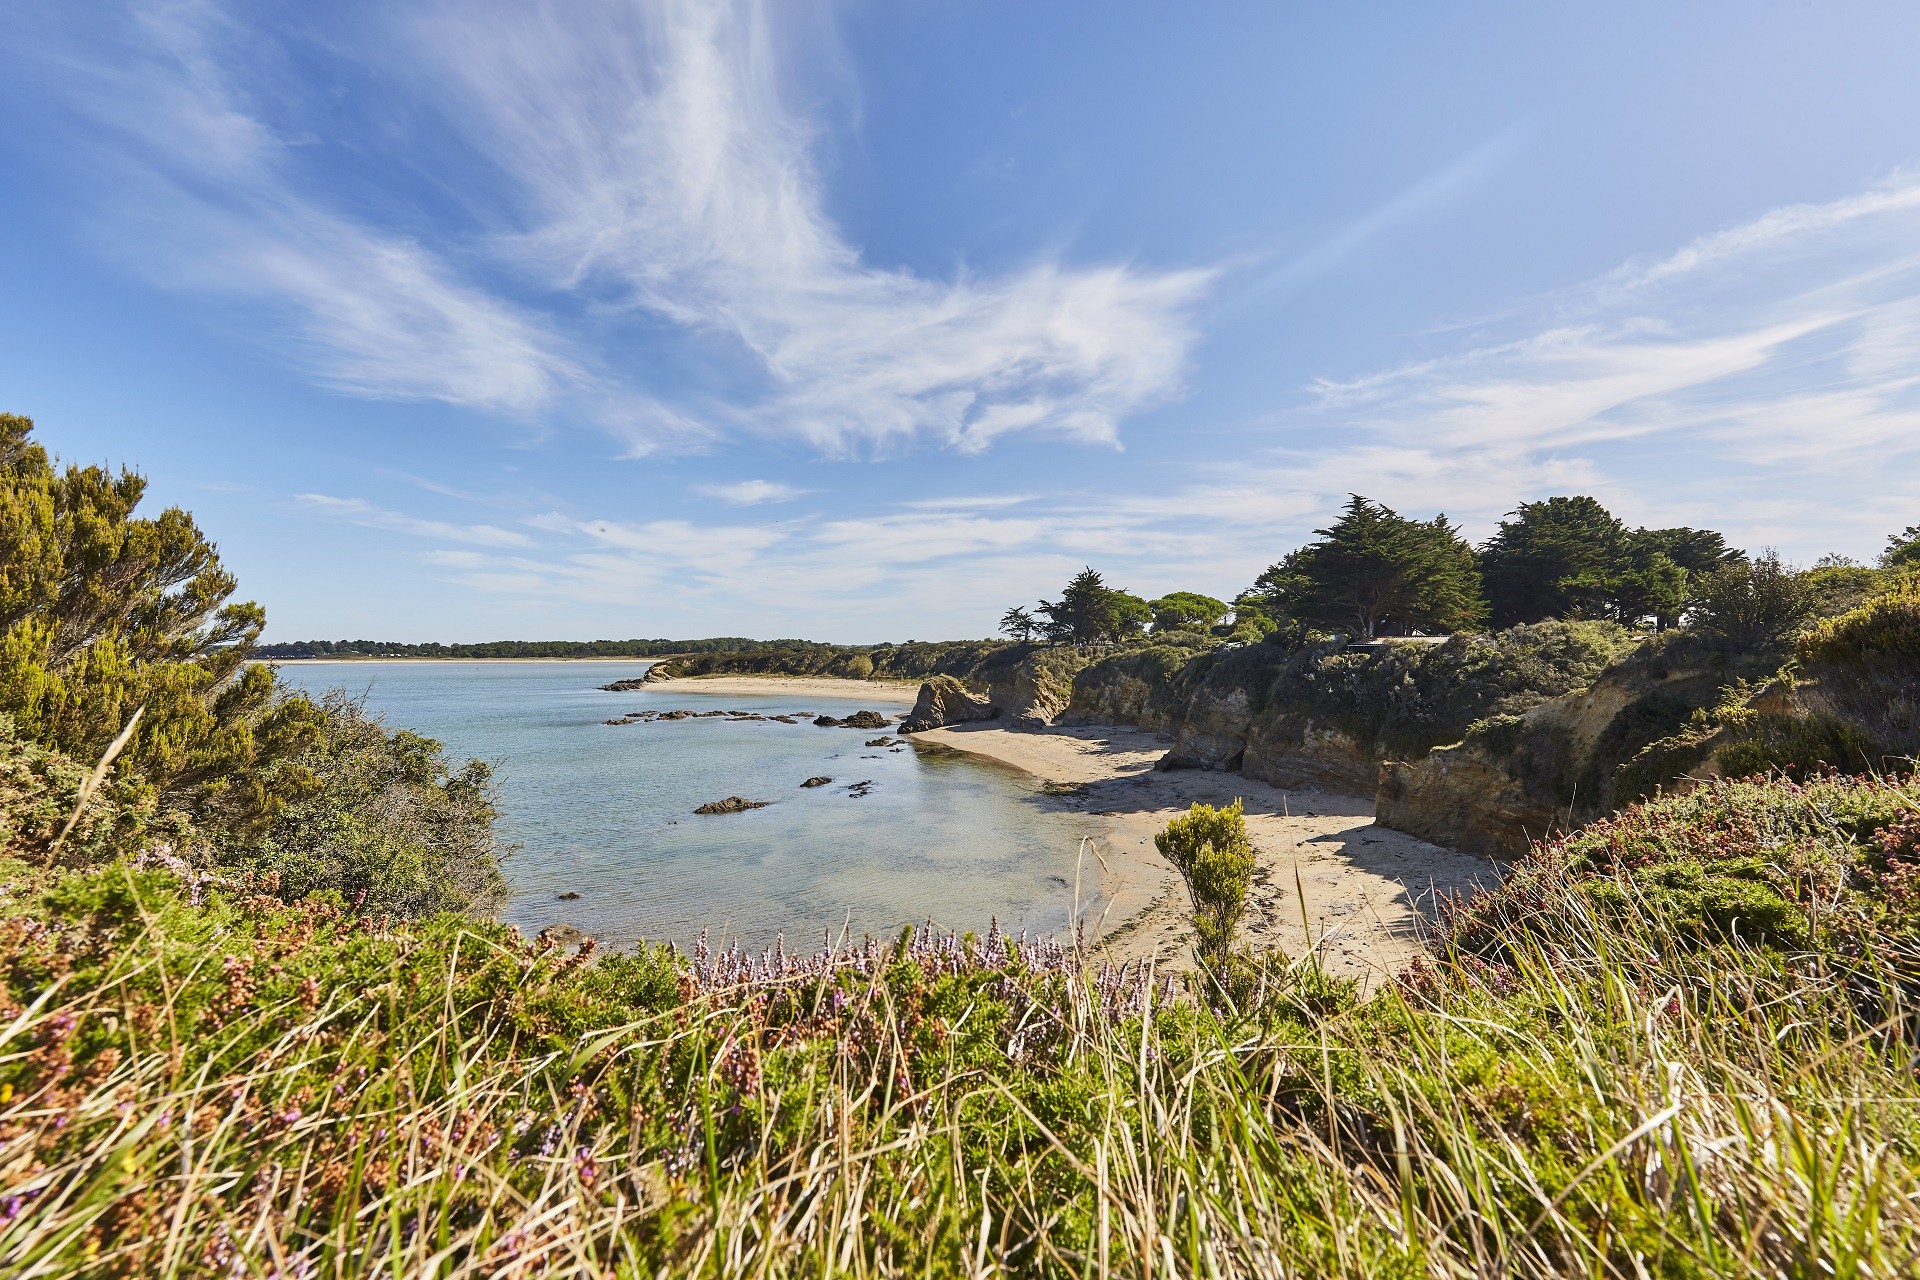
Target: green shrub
(103,612)
(1210,850)
(383,822)
(1768,861)
(1885,630)
(1405,699)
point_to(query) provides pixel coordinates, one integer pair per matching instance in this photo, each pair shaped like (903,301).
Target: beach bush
(104,613)
(1210,850)
(382,821)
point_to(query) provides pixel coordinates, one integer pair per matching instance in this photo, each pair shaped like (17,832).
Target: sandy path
(878,692)
(1367,889)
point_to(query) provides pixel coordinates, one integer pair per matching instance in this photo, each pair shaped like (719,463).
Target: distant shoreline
(361,662)
(898,692)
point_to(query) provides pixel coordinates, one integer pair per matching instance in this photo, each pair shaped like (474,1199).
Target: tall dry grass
(238,1088)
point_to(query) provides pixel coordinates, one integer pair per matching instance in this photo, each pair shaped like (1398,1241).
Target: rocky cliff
(1329,715)
(1642,724)
(1146,688)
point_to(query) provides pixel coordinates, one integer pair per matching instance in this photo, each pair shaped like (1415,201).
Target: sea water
(606,811)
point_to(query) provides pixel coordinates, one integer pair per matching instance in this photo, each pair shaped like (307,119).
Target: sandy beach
(1368,890)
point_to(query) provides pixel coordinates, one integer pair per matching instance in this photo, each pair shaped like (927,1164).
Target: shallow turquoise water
(607,811)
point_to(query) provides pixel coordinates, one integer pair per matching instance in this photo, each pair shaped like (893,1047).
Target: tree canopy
(1569,557)
(103,612)
(1753,604)
(1903,549)
(1186,611)
(1089,611)
(1375,572)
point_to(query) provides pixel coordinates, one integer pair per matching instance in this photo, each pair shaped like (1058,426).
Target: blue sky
(864,321)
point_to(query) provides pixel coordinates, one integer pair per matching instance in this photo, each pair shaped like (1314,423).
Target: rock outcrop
(1146,689)
(858,720)
(732,804)
(943,701)
(1515,779)
(1459,798)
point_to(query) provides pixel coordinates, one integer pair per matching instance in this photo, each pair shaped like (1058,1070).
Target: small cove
(606,811)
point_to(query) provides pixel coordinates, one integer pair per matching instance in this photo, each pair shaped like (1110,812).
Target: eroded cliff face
(1243,716)
(1569,760)
(1461,799)
(1147,689)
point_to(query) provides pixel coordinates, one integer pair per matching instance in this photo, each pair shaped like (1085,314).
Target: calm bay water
(606,811)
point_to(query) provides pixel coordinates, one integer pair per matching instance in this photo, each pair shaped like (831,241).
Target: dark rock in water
(783,719)
(943,701)
(865,720)
(675,715)
(883,741)
(826,722)
(568,896)
(627,685)
(859,789)
(820,781)
(732,804)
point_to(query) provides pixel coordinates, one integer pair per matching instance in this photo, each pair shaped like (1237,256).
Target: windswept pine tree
(1374,572)
(104,612)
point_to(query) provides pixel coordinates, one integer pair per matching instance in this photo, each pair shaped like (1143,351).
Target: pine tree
(103,612)
(1374,571)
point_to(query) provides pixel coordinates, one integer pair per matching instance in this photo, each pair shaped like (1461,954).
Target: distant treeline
(914,660)
(519,648)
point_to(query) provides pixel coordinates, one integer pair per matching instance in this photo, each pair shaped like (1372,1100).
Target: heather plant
(1210,850)
(198,1078)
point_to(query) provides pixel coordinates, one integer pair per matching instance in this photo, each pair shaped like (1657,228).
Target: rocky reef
(732,804)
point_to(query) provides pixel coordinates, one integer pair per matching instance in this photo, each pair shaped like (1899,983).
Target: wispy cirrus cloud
(1773,364)
(361,512)
(200,193)
(641,155)
(751,493)
(654,150)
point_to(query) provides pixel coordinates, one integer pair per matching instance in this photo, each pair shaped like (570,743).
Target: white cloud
(200,194)
(977,502)
(642,153)
(751,493)
(359,511)
(655,149)
(1772,362)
